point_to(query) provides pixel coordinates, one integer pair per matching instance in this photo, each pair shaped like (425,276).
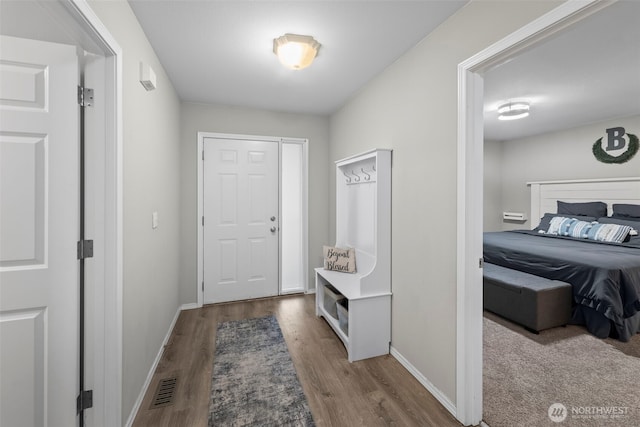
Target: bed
(604,276)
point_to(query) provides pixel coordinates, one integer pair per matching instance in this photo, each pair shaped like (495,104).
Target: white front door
(240,219)
(38,233)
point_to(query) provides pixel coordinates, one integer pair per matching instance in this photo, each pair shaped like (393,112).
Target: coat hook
(367,177)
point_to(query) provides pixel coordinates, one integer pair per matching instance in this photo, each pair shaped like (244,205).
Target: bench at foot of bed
(532,301)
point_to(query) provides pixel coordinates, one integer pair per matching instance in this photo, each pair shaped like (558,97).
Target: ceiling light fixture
(513,110)
(296,51)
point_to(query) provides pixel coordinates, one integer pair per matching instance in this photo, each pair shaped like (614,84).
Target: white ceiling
(220,52)
(585,74)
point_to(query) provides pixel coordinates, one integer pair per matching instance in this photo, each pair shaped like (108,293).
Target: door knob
(273,229)
(273,218)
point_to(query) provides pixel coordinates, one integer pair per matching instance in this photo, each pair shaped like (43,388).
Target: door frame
(107,278)
(470,193)
(305,211)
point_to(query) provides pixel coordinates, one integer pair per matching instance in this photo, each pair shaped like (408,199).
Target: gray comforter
(605,277)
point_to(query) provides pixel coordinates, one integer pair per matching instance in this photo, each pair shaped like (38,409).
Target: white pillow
(614,233)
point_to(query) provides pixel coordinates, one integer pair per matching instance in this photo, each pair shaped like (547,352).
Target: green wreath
(602,156)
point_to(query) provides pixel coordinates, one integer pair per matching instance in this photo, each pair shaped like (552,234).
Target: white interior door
(240,207)
(38,233)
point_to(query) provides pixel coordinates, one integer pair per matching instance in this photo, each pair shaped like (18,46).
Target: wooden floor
(372,392)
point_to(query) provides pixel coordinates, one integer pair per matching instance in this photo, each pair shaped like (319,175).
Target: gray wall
(151,122)
(412,108)
(209,118)
(559,155)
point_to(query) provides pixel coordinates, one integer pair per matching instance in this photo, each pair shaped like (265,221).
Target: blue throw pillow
(571,227)
(545,221)
(578,229)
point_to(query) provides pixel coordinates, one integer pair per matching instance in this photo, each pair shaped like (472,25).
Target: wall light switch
(154,220)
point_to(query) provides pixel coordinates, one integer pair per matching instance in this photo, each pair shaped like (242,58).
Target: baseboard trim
(441,397)
(154,365)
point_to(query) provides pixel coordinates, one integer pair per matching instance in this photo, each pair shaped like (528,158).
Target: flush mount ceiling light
(513,110)
(296,51)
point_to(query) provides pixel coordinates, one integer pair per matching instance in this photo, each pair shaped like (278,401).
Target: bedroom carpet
(597,381)
(254,380)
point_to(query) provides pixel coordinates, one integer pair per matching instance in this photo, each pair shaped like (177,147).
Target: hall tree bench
(363,222)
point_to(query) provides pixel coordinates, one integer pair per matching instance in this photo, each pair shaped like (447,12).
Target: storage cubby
(363,222)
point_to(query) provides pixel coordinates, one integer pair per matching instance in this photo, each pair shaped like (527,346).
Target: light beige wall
(412,108)
(493,206)
(151,183)
(245,121)
(559,155)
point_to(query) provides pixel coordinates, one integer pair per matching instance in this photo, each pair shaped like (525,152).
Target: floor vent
(164,393)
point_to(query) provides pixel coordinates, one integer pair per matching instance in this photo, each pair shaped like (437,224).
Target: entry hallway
(372,392)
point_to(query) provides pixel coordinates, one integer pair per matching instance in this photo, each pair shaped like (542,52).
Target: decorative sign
(616,142)
(337,259)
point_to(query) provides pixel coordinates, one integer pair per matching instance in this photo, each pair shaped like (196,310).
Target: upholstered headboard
(545,194)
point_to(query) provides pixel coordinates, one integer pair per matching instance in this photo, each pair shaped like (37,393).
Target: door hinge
(202,286)
(84,400)
(85,249)
(202,155)
(481,262)
(203,221)
(85,96)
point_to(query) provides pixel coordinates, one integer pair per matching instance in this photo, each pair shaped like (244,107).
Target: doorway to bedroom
(508,165)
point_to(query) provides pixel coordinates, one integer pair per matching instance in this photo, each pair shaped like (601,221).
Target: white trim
(469,251)
(577,181)
(365,154)
(440,396)
(200,171)
(305,212)
(190,306)
(199,213)
(154,365)
(470,201)
(108,328)
(305,217)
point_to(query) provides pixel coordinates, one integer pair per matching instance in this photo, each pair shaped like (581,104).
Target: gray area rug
(589,381)
(254,380)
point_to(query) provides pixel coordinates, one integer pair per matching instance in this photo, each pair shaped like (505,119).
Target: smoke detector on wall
(147,76)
